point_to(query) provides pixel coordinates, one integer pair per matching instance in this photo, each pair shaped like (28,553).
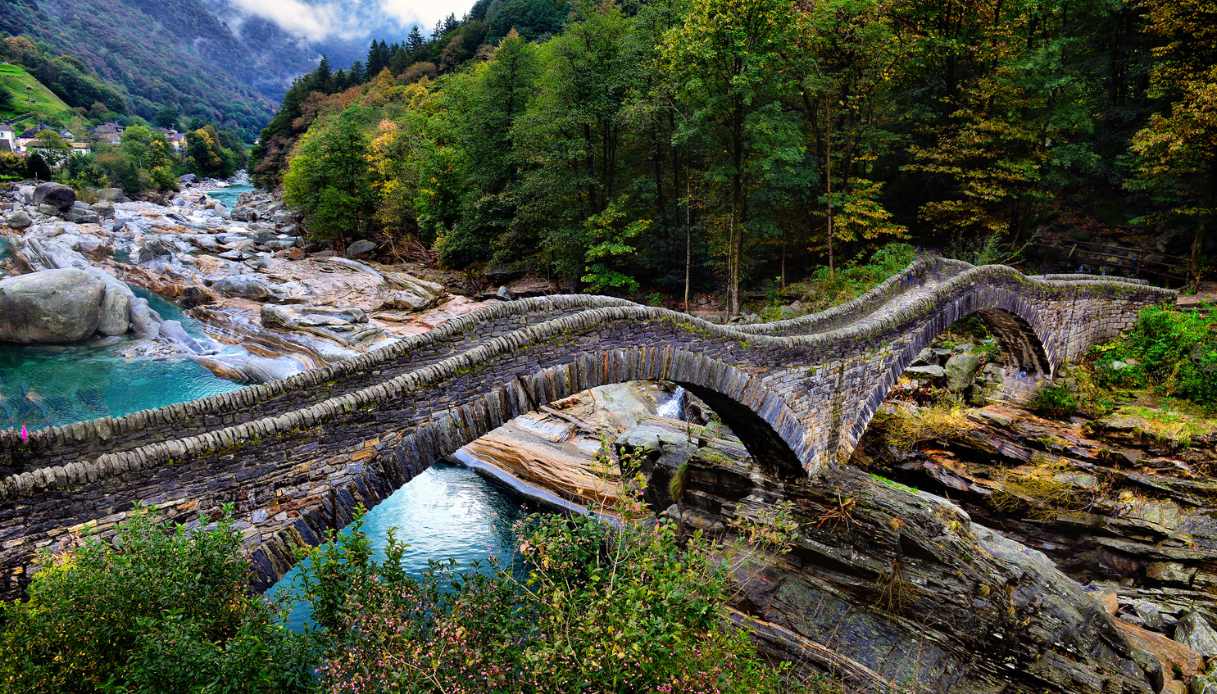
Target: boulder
(57,195)
(252,287)
(114,317)
(51,306)
(188,179)
(19,220)
(930,372)
(80,213)
(111,195)
(960,370)
(49,254)
(311,317)
(174,332)
(104,209)
(1196,633)
(145,323)
(155,247)
(245,214)
(360,249)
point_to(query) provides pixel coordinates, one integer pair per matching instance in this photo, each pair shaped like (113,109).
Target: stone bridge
(294,457)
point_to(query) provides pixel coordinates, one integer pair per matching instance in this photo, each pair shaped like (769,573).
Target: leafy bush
(159,609)
(1171,350)
(826,289)
(593,608)
(1054,400)
(600,609)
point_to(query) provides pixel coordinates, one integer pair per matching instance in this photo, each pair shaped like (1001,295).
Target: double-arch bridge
(296,456)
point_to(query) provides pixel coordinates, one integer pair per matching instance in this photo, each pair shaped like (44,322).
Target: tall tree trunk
(735,236)
(688,237)
(832,268)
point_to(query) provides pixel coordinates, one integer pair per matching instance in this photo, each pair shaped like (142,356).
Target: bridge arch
(1015,323)
(769,429)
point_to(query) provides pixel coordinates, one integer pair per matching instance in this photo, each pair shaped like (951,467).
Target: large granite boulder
(80,213)
(114,315)
(51,306)
(960,370)
(19,220)
(361,248)
(56,195)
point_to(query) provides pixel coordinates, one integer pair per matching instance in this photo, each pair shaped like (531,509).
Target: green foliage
(759,138)
(1054,400)
(1174,154)
(1173,351)
(142,162)
(598,609)
(209,153)
(160,609)
(329,180)
(826,288)
(613,246)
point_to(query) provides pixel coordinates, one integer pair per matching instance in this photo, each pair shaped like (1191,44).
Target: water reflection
(448,511)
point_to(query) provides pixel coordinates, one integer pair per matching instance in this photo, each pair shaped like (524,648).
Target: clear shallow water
(448,511)
(43,386)
(48,386)
(228,196)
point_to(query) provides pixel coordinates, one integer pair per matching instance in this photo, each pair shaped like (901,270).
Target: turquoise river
(447,512)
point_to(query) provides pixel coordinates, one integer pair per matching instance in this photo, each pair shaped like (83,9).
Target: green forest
(732,145)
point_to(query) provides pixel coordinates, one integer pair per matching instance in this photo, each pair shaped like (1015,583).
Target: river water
(228,196)
(447,512)
(43,386)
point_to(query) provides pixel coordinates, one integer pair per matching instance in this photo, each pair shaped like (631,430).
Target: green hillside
(32,102)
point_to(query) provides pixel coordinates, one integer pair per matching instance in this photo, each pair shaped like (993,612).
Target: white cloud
(428,13)
(321,20)
(314,22)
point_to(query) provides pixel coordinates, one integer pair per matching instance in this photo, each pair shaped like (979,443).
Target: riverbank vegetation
(591,608)
(721,144)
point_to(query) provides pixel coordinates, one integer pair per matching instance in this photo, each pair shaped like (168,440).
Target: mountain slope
(165,53)
(31,100)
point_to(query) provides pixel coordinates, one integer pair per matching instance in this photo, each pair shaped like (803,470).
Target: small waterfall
(673,407)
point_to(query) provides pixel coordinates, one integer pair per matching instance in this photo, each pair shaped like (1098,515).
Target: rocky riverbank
(965,548)
(271,304)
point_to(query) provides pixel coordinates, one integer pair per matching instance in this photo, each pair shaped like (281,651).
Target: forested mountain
(749,137)
(203,58)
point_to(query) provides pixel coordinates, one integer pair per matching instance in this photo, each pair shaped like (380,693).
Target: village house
(176,140)
(8,139)
(108,133)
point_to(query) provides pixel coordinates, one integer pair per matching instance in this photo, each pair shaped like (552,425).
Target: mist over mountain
(229,61)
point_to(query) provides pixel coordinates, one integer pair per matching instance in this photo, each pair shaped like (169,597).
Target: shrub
(826,289)
(599,610)
(1173,351)
(159,609)
(1055,401)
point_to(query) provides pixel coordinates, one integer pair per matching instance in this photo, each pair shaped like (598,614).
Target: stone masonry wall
(296,457)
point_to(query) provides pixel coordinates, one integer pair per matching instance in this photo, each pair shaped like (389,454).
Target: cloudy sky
(326,20)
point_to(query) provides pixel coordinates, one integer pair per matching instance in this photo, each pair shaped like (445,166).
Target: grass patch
(1172,352)
(905,428)
(1055,401)
(1166,424)
(1044,488)
(31,97)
